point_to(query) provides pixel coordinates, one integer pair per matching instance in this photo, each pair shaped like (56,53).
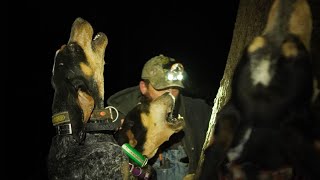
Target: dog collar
(110,113)
(100,120)
(64,129)
(60,118)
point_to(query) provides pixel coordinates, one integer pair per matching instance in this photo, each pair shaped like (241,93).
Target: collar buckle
(64,129)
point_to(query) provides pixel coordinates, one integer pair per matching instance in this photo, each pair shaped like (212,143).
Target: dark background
(197,34)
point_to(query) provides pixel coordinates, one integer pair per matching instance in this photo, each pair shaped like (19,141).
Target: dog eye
(78,84)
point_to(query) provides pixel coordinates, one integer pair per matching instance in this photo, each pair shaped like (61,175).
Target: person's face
(149,91)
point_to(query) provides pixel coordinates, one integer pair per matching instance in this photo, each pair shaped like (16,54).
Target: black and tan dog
(264,131)
(78,81)
(147,126)
(84,147)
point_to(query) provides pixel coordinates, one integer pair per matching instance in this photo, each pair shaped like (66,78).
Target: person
(180,155)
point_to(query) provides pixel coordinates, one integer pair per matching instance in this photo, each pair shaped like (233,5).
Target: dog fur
(77,78)
(266,125)
(146,127)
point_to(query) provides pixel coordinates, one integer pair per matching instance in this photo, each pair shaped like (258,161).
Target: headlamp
(176,72)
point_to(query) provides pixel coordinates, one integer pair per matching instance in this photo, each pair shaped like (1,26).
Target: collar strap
(100,120)
(60,118)
(94,126)
(110,113)
(103,120)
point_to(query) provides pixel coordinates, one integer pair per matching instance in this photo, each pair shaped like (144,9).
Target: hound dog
(82,149)
(263,132)
(147,126)
(85,147)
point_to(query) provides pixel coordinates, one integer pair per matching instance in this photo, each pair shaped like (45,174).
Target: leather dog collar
(100,120)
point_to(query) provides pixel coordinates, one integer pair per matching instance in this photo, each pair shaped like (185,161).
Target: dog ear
(294,18)
(78,76)
(300,22)
(86,102)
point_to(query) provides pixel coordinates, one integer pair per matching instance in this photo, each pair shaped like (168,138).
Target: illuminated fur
(146,126)
(77,79)
(265,125)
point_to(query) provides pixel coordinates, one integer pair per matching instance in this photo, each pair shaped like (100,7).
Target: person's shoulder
(131,91)
(193,99)
(125,99)
(196,107)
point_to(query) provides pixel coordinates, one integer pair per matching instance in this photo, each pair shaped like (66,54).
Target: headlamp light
(176,72)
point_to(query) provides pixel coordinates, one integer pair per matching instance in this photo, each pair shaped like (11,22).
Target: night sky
(196,34)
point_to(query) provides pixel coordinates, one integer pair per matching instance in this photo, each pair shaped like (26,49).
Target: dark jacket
(196,113)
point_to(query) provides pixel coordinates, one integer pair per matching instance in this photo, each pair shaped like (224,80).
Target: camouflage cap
(155,71)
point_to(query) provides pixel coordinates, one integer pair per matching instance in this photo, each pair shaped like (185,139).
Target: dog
(263,132)
(85,146)
(82,149)
(147,126)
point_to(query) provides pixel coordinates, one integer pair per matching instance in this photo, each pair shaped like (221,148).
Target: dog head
(149,125)
(271,91)
(77,77)
(275,70)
